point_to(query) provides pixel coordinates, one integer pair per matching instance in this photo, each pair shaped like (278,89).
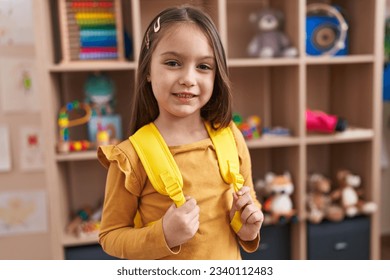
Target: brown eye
(172,63)
(205,67)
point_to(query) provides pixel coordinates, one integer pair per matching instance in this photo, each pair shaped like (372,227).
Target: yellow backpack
(164,174)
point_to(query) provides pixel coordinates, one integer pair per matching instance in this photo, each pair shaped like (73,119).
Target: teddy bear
(276,191)
(319,202)
(350,195)
(270,41)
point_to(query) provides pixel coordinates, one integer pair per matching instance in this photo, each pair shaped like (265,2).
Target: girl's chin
(185,113)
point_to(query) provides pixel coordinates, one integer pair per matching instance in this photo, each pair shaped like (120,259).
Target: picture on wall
(22,212)
(16,22)
(18,84)
(31,149)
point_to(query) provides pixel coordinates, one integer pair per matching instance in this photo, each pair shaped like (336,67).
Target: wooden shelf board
(350,135)
(73,156)
(72,240)
(247,62)
(92,66)
(339,59)
(272,141)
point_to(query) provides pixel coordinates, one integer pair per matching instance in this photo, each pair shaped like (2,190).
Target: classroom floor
(385,247)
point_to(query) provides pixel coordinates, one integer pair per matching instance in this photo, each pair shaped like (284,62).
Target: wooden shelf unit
(278,90)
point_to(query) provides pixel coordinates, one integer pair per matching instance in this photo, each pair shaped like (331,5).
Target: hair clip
(156,25)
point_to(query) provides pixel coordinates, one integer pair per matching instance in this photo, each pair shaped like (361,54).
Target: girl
(182,83)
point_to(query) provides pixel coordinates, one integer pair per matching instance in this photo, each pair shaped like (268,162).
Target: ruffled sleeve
(118,155)
(118,234)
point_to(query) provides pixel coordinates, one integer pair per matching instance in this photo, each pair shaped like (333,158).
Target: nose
(188,77)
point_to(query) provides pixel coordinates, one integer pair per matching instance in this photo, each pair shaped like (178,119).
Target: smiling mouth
(184,95)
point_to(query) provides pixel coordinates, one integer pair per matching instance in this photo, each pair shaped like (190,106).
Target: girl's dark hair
(218,110)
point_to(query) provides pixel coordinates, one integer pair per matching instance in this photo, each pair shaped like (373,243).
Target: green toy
(99,91)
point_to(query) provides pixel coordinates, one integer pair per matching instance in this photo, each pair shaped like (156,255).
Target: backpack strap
(226,150)
(229,166)
(164,175)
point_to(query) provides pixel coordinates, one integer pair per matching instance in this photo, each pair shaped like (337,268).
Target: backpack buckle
(235,177)
(173,189)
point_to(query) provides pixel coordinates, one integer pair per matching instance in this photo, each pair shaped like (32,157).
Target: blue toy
(326,31)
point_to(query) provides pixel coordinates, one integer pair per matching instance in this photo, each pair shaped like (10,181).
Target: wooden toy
(91,30)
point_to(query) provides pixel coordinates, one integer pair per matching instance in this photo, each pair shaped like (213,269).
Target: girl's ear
(148,78)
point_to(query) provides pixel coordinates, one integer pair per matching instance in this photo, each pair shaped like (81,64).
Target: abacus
(91,30)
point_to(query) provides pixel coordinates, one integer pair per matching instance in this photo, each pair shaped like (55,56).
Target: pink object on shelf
(319,121)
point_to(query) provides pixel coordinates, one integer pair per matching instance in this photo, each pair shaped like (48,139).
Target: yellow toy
(164,173)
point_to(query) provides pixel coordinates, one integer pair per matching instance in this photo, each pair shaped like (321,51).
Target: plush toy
(278,206)
(99,92)
(270,40)
(350,195)
(319,203)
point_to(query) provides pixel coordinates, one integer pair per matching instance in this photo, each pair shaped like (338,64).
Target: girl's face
(182,71)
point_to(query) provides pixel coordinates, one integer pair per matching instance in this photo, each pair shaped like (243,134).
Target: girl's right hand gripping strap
(237,180)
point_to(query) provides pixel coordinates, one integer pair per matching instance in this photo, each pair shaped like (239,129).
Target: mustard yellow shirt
(128,190)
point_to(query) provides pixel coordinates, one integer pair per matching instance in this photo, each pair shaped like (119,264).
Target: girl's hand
(251,216)
(180,224)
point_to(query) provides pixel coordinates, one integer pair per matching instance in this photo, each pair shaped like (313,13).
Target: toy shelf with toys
(274,88)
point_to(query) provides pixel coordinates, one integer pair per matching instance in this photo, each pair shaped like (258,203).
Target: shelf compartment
(354,156)
(361,32)
(71,88)
(276,160)
(275,99)
(84,187)
(344,90)
(241,30)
